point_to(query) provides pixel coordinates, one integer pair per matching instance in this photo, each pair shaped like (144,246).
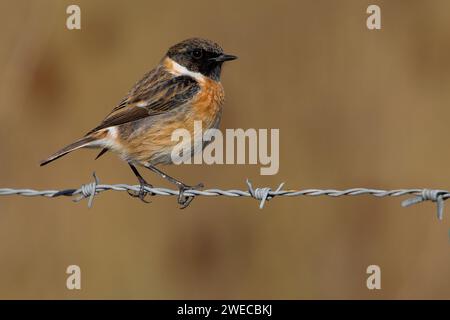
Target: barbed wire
(90,190)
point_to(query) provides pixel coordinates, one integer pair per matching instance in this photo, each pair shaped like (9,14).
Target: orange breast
(207,105)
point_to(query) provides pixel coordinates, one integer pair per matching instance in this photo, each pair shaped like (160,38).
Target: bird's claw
(183,200)
(142,193)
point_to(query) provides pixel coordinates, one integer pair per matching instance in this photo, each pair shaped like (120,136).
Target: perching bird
(184,87)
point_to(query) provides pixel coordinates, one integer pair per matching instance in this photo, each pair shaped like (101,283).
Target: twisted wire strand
(90,190)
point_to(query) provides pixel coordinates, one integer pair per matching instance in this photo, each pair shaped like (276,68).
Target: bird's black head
(200,55)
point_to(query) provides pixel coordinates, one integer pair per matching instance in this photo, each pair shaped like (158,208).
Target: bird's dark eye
(197,53)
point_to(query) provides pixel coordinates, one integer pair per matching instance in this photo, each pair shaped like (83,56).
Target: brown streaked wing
(151,96)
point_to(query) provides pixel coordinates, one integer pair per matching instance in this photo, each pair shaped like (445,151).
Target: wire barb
(437,196)
(88,191)
(263,195)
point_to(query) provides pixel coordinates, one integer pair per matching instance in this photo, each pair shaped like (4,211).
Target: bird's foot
(142,193)
(183,200)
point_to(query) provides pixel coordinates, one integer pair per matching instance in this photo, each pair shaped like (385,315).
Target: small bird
(184,87)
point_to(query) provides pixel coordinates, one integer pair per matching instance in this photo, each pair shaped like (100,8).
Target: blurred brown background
(354,107)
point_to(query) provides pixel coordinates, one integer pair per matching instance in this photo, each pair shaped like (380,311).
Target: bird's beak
(224,57)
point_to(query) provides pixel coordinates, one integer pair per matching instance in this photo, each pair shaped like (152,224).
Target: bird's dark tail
(83,142)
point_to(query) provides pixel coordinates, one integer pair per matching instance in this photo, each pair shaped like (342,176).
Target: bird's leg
(183,200)
(142,193)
